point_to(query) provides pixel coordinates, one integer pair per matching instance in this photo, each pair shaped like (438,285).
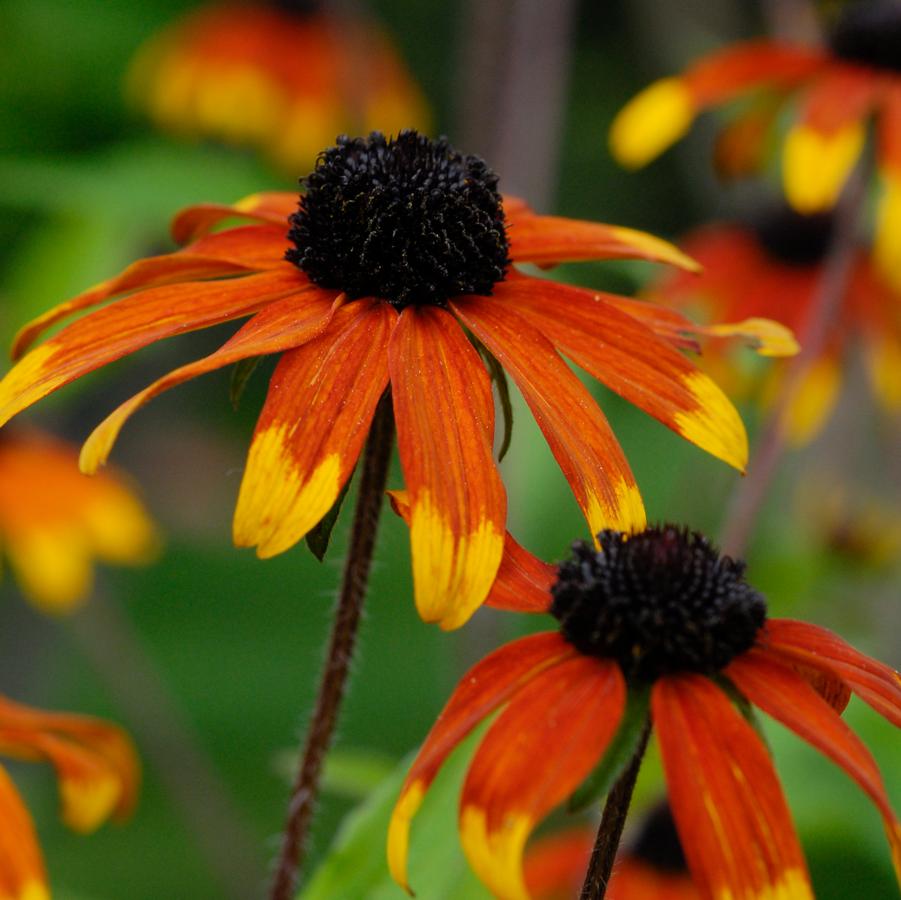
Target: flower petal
(626,356)
(317,414)
(772,685)
(548,240)
(874,682)
(444,412)
(131,323)
(273,206)
(538,751)
(822,147)
(732,818)
(572,423)
(485,687)
(22,875)
(279,326)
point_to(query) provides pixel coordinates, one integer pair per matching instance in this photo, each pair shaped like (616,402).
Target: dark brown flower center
(869,32)
(793,238)
(406,219)
(658,602)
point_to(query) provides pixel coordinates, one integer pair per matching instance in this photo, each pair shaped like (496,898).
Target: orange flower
(772,267)
(398,256)
(54,522)
(650,867)
(655,621)
(98,775)
(838,88)
(284,77)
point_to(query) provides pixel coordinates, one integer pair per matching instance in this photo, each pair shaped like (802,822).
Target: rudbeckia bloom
(772,267)
(284,77)
(400,252)
(650,866)
(98,776)
(656,618)
(54,522)
(838,88)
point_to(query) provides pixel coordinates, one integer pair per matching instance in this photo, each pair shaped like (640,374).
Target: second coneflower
(399,268)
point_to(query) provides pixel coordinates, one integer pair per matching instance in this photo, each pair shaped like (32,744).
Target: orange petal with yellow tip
(773,686)
(573,425)
(22,875)
(548,240)
(317,414)
(626,356)
(280,326)
(129,324)
(444,411)
(483,689)
(537,752)
(874,682)
(731,815)
(274,207)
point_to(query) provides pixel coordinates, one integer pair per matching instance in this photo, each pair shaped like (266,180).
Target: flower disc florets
(658,602)
(793,238)
(869,32)
(406,219)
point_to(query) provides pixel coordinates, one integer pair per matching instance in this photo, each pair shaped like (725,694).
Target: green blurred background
(86,185)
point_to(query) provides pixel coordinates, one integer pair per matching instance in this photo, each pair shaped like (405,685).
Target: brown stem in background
(833,284)
(305,790)
(613,820)
(116,650)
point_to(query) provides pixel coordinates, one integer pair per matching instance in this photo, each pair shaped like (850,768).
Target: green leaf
(241,373)
(355,865)
(621,750)
(319,536)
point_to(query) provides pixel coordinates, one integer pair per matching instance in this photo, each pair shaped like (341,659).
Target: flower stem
(830,292)
(612,822)
(304,792)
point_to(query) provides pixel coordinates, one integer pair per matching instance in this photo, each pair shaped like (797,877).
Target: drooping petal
(234,252)
(548,240)
(135,321)
(316,418)
(731,815)
(22,875)
(626,356)
(279,326)
(542,746)
(274,207)
(874,682)
(444,412)
(484,688)
(572,423)
(822,147)
(772,685)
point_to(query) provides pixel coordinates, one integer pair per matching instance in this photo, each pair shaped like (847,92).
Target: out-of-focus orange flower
(838,88)
(656,618)
(650,865)
(401,251)
(54,522)
(283,77)
(772,267)
(98,774)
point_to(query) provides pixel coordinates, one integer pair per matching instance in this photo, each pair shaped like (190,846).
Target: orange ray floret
(658,610)
(54,523)
(359,305)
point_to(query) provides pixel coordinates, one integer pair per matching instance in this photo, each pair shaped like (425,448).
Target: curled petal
(772,685)
(22,875)
(536,754)
(572,423)
(485,687)
(731,815)
(444,412)
(273,207)
(317,414)
(280,326)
